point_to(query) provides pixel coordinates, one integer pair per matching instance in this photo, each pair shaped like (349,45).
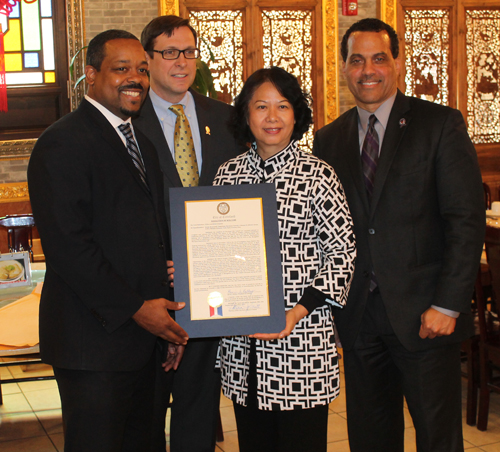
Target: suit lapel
(353,156)
(111,137)
(151,127)
(397,124)
(203,115)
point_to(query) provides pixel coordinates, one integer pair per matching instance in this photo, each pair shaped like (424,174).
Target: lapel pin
(402,122)
(207,130)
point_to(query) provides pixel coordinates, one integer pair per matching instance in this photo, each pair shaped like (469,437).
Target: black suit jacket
(105,238)
(423,231)
(217,143)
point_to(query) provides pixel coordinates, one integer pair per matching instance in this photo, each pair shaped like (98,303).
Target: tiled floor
(30,420)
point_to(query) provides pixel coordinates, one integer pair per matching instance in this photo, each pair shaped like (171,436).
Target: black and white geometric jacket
(317,250)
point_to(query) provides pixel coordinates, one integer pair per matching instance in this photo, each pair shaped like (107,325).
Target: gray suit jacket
(423,231)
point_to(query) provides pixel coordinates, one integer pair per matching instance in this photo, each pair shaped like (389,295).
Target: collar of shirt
(266,170)
(167,120)
(382,113)
(114,120)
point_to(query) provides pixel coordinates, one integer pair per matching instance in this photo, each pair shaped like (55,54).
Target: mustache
(132,86)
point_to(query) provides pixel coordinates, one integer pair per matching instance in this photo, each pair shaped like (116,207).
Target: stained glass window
(29,43)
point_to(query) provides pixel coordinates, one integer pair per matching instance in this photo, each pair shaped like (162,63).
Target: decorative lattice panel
(483,57)
(223,32)
(287,42)
(427,53)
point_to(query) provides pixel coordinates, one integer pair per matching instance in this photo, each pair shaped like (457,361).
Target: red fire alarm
(349,7)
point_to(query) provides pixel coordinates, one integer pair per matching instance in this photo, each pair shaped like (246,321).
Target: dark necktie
(369,155)
(185,155)
(133,151)
(369,159)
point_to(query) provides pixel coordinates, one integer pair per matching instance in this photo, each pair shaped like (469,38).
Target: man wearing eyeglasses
(171,51)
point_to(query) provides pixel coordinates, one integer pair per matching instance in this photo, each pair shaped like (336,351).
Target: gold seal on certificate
(215,301)
(223,208)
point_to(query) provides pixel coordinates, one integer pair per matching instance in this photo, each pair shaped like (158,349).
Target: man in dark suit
(413,185)
(170,44)
(97,196)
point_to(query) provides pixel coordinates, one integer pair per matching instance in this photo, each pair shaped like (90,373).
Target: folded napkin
(19,322)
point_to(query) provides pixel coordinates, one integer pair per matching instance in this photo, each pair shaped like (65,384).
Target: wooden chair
(470,352)
(38,255)
(487,196)
(489,330)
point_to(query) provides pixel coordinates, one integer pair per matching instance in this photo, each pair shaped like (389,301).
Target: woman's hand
(293,316)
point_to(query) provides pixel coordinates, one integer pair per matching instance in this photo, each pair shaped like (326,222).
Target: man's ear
(90,73)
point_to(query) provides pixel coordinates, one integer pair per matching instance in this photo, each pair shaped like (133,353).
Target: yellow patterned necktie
(185,156)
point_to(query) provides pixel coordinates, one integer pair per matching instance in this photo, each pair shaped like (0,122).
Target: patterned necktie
(369,155)
(133,151)
(369,159)
(185,156)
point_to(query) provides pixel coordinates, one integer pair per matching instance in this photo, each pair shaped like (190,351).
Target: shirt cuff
(447,312)
(312,298)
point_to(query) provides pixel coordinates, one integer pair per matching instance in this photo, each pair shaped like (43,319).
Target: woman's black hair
(288,86)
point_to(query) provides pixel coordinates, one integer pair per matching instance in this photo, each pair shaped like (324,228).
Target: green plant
(72,68)
(204,82)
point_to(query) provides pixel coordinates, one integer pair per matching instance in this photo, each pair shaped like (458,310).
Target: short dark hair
(373,25)
(95,50)
(288,86)
(163,25)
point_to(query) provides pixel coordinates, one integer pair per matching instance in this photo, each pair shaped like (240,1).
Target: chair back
(487,196)
(492,245)
(19,232)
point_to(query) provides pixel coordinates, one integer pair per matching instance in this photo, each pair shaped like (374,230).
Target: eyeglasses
(173,54)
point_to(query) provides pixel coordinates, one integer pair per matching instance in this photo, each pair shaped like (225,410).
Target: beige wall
(130,15)
(366,8)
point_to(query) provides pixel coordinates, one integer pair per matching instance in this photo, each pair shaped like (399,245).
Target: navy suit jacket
(423,230)
(105,239)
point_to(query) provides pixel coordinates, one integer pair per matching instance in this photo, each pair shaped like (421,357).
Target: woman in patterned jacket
(281,384)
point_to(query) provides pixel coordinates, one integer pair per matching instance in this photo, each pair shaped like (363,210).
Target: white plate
(16,276)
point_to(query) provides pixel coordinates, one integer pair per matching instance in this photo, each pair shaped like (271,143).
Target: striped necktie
(369,155)
(133,151)
(369,159)
(185,156)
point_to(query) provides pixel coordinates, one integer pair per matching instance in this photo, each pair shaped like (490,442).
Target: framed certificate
(227,260)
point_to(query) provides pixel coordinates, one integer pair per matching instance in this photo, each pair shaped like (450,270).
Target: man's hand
(170,272)
(435,323)
(174,356)
(292,318)
(154,317)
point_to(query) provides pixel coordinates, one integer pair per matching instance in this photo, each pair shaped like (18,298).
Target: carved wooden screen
(483,61)
(452,56)
(223,32)
(427,54)
(245,36)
